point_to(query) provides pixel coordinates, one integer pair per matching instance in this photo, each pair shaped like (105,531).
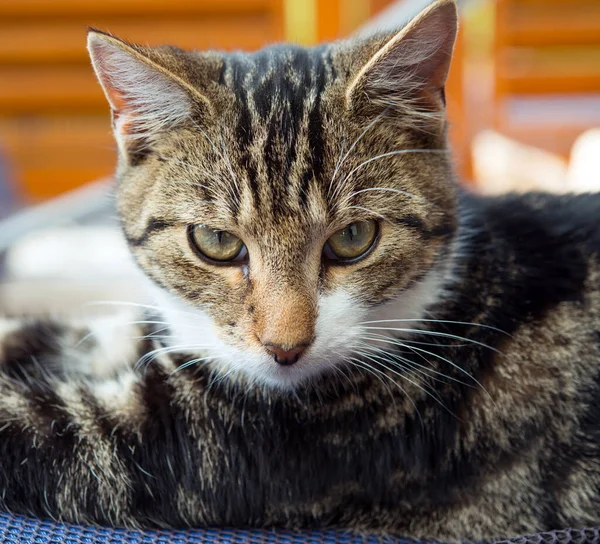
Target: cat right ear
(408,71)
(145,97)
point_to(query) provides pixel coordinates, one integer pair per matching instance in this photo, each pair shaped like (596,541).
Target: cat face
(281,200)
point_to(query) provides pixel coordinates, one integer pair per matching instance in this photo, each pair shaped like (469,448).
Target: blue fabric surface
(17,529)
(22,530)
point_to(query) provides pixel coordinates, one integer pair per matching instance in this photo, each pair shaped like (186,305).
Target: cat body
(516,452)
(342,337)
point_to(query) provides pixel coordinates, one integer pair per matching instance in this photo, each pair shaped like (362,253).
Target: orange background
(54,124)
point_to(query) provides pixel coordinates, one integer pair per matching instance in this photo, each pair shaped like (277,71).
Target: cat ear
(409,71)
(145,98)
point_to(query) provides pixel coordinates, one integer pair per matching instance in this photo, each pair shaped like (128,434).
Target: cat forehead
(279,72)
(280,95)
(272,136)
(280,148)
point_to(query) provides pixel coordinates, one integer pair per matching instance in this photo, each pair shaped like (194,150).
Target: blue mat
(17,529)
(22,530)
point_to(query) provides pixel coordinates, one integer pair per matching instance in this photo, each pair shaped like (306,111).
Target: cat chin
(341,335)
(193,331)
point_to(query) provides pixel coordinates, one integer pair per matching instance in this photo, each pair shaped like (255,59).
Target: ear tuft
(408,73)
(145,99)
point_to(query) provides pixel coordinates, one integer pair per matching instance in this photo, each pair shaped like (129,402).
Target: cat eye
(216,246)
(352,242)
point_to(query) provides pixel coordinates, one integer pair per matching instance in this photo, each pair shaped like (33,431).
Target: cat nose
(286,357)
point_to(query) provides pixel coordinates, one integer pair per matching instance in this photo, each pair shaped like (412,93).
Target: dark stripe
(415,223)
(270,156)
(274,162)
(138,151)
(223,72)
(246,163)
(290,121)
(316,140)
(244,132)
(244,129)
(162,457)
(307,176)
(265,91)
(295,87)
(328,58)
(153,226)
(27,351)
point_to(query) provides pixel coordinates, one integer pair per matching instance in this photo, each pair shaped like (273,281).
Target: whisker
(370,212)
(424,370)
(381,189)
(390,154)
(188,364)
(421,350)
(230,167)
(220,153)
(220,378)
(481,325)
(151,356)
(337,165)
(137,305)
(453,364)
(362,364)
(333,365)
(360,136)
(371,370)
(434,333)
(370,357)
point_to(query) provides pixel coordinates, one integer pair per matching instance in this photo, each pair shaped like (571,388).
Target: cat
(342,336)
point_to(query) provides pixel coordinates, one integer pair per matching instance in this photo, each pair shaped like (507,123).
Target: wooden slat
(584,31)
(60,8)
(549,69)
(24,136)
(550,84)
(49,88)
(62,87)
(29,42)
(458,115)
(54,122)
(551,24)
(44,183)
(328,20)
(545,47)
(53,154)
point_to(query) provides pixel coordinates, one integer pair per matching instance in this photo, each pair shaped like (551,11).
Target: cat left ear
(145,97)
(409,72)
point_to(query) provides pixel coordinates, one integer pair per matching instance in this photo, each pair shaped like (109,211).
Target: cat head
(282,199)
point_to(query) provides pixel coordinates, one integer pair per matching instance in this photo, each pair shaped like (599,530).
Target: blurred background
(523,102)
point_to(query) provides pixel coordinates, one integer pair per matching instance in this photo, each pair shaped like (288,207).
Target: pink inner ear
(119,111)
(105,58)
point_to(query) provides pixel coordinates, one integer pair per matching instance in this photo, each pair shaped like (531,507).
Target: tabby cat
(341,336)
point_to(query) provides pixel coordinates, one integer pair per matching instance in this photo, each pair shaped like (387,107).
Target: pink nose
(286,357)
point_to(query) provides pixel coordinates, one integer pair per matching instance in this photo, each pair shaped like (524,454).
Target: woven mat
(21,530)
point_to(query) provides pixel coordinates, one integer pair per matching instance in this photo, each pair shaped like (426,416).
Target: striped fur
(451,386)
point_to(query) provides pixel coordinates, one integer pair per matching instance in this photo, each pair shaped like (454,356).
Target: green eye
(352,242)
(217,246)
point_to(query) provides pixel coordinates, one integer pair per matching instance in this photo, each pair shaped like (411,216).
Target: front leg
(80,446)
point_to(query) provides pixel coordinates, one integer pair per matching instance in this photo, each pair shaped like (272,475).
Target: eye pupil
(216,246)
(352,242)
